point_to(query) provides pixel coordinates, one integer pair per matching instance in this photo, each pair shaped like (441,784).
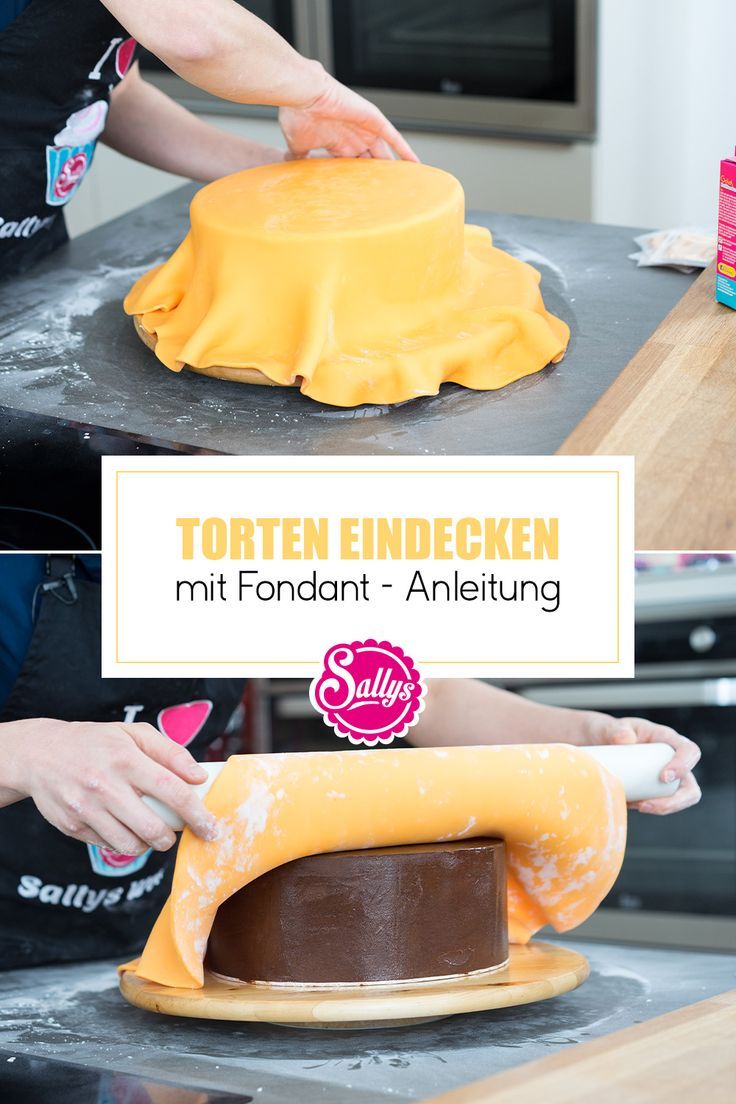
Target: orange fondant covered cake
(355,279)
(562,817)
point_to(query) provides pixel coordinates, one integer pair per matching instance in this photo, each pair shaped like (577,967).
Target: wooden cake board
(534,972)
(238,375)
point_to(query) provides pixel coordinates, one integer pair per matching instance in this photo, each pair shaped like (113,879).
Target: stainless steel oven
(678,881)
(524,68)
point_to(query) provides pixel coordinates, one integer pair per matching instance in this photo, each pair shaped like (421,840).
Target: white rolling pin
(638,766)
(168,815)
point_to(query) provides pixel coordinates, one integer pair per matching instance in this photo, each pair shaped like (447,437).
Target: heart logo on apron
(182,723)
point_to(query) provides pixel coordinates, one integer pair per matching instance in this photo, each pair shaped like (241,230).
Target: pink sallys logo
(369,692)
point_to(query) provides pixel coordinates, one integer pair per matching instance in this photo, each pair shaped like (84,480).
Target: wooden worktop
(685,1056)
(674,409)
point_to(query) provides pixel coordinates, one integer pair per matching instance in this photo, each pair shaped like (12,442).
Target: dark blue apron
(58,64)
(62,900)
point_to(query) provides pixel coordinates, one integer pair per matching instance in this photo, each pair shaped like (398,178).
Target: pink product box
(726,275)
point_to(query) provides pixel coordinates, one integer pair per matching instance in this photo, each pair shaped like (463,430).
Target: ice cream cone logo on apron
(71,155)
(69,158)
(182,724)
(369,692)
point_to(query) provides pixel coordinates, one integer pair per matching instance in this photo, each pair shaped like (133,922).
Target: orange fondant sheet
(356,279)
(563,818)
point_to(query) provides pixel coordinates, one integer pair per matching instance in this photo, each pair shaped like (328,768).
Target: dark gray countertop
(67,351)
(75,1014)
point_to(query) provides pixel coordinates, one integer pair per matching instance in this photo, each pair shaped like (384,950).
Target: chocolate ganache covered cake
(394,914)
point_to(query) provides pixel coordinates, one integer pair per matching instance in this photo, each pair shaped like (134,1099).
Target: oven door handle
(637,694)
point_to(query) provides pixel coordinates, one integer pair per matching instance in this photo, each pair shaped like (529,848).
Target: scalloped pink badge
(370,692)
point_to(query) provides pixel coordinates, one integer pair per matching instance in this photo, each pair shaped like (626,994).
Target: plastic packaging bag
(684,249)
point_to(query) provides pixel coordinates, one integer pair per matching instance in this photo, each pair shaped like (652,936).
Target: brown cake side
(356,917)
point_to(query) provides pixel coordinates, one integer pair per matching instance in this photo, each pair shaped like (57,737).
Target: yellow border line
(369,471)
(618,567)
(117,561)
(313,662)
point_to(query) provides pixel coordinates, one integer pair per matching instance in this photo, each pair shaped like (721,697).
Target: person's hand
(342,123)
(635,730)
(87,779)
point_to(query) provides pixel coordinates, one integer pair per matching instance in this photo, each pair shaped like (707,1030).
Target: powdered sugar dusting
(52,333)
(254,810)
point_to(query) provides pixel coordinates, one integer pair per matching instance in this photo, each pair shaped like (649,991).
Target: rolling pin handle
(168,815)
(638,767)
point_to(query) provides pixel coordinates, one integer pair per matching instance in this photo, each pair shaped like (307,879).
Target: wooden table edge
(670,1070)
(585,439)
(686,497)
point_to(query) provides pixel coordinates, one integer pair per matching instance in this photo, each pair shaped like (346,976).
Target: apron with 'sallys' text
(59,62)
(62,900)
